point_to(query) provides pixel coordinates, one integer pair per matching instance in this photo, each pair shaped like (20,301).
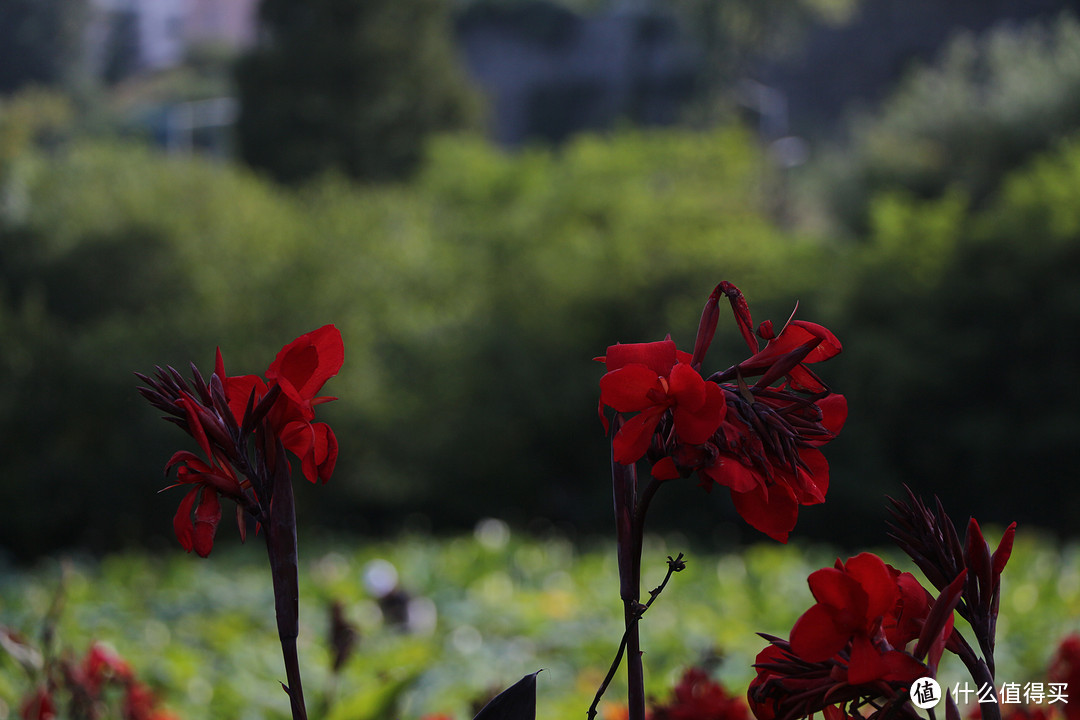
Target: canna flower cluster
(755,428)
(1065,668)
(853,647)
(875,630)
(697,697)
(90,688)
(244,425)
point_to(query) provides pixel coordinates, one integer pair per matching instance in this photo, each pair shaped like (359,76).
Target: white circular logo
(925,693)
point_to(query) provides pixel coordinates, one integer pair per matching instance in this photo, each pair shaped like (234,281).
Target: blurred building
(150,35)
(549,73)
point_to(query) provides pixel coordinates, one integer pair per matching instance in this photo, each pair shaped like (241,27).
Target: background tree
(734,34)
(40,41)
(350,86)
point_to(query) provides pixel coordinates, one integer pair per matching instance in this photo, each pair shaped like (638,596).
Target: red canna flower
(651,379)
(697,697)
(300,369)
(854,601)
(225,416)
(767,453)
(196,530)
(788,686)
(101,665)
(38,706)
(850,648)
(761,441)
(140,703)
(303,366)
(1065,668)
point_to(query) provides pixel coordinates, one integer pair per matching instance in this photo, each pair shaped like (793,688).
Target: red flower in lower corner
(102,665)
(140,703)
(856,602)
(697,697)
(1065,668)
(851,648)
(38,706)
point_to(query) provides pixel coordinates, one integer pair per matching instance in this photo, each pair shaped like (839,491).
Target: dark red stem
(630,512)
(284,567)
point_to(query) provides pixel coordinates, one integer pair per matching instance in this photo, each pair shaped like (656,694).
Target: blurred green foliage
(202,632)
(982,110)
(471,303)
(472,299)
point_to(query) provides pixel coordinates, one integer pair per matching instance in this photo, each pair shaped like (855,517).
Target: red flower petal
(866,664)
(303,366)
(812,482)
(633,438)
(899,667)
(731,473)
(207,517)
(829,347)
(699,425)
(774,515)
(687,387)
(875,579)
(834,411)
(182,520)
(658,356)
(316,446)
(815,636)
(841,593)
(238,391)
(627,388)
(665,469)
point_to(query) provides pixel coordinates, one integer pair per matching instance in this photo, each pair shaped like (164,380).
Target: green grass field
(488,608)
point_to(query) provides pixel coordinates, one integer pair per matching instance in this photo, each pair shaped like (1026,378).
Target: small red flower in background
(140,703)
(697,697)
(101,666)
(38,706)
(1065,668)
(83,690)
(228,416)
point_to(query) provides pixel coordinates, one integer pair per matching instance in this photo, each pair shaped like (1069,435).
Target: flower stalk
(244,425)
(628,538)
(281,548)
(761,441)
